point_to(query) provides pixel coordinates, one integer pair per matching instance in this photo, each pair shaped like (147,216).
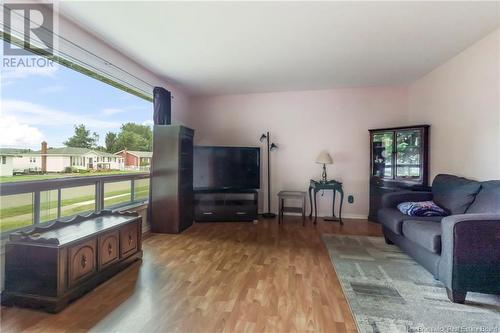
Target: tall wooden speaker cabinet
(399,161)
(172,179)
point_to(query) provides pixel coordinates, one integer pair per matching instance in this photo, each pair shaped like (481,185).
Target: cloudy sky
(45,103)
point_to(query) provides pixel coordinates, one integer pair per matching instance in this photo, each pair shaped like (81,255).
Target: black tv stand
(225,205)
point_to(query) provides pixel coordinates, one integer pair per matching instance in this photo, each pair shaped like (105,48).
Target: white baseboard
(355,216)
(345,216)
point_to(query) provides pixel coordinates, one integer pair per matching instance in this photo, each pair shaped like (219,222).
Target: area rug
(388,291)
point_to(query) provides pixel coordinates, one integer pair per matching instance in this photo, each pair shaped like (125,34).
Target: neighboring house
(7,156)
(27,162)
(81,158)
(58,159)
(136,159)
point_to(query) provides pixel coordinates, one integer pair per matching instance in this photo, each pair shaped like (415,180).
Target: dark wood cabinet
(225,205)
(172,179)
(399,160)
(49,265)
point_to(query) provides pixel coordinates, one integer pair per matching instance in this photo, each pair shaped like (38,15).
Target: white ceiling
(242,47)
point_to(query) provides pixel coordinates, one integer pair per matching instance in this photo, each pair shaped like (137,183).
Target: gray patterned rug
(388,291)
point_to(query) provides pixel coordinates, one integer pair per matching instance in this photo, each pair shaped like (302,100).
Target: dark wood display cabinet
(172,179)
(47,266)
(399,160)
(225,205)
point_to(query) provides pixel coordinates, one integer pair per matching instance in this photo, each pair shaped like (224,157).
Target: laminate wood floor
(215,277)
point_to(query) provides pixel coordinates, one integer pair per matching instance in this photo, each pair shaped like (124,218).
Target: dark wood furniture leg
(280,211)
(315,207)
(310,201)
(304,211)
(456,296)
(333,203)
(340,209)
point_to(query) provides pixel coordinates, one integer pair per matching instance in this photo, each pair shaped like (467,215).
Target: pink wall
(461,100)
(303,123)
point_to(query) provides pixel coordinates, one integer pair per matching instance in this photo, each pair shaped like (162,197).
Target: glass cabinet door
(408,154)
(382,154)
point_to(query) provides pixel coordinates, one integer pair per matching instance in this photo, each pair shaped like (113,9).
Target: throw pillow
(422,208)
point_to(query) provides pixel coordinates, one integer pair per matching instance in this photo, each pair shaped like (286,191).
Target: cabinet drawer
(82,261)
(242,212)
(108,248)
(208,213)
(128,240)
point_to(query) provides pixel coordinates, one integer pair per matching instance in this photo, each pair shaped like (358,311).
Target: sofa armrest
(470,252)
(391,200)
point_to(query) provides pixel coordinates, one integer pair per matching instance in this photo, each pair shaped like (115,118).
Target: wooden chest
(48,266)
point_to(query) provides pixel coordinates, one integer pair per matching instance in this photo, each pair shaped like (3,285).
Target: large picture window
(62,121)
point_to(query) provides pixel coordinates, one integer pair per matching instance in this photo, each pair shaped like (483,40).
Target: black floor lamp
(270,147)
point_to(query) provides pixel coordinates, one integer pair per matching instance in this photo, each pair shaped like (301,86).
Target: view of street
(17,210)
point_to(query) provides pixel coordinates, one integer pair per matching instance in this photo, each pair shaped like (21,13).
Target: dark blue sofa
(463,249)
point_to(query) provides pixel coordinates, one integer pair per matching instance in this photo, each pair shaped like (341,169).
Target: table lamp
(324,158)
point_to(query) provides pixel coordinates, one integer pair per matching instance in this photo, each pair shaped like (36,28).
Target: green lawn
(68,208)
(21,178)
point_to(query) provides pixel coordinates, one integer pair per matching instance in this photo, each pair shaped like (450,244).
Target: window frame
(9,38)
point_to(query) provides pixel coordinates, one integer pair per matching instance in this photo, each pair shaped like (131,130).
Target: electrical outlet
(350,199)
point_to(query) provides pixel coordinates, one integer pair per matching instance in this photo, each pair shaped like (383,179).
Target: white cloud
(112,111)
(148,122)
(116,110)
(38,115)
(18,135)
(50,90)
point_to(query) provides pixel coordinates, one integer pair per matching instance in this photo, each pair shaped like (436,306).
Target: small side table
(331,185)
(292,195)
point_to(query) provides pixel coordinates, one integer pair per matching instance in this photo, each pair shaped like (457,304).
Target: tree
(132,141)
(132,137)
(111,142)
(82,138)
(142,131)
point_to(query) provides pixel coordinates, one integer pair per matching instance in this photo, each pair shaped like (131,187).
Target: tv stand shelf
(225,205)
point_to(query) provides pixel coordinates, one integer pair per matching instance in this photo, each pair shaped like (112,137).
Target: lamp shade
(324,158)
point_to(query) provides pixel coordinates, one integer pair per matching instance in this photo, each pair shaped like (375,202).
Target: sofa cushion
(392,219)
(427,234)
(487,200)
(454,194)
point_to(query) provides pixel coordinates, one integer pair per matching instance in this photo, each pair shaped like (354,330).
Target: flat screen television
(217,168)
